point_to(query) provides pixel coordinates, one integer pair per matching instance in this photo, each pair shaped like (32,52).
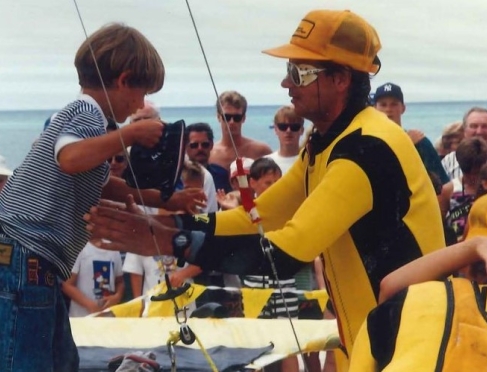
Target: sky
(435,49)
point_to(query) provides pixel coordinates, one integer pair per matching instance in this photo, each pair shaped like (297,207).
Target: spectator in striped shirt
(41,206)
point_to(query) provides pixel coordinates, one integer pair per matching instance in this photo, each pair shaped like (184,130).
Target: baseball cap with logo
(389,90)
(342,37)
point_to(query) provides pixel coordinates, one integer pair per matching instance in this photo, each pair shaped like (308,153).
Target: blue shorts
(34,327)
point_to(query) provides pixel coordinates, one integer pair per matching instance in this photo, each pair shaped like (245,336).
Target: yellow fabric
(131,309)
(319,295)
(339,195)
(477,218)
(424,328)
(254,300)
(418,323)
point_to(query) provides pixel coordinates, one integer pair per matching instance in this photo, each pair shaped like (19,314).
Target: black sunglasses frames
(195,145)
(283,127)
(118,159)
(237,118)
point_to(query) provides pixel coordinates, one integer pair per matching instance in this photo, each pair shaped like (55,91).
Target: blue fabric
(187,360)
(221,177)
(35,330)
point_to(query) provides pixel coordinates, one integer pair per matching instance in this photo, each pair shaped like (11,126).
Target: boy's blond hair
(118,48)
(192,171)
(287,113)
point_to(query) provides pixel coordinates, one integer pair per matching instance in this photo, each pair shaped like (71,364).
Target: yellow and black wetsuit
(428,327)
(359,195)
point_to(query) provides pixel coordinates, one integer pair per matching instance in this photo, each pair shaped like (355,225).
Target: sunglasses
(117,158)
(195,145)
(283,127)
(237,118)
(302,75)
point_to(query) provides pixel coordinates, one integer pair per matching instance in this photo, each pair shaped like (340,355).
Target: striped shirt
(452,168)
(41,206)
(276,305)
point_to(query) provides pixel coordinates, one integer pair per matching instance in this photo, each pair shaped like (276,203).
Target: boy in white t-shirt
(96,281)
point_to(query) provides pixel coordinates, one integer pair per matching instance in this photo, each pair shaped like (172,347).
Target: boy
(42,204)
(96,281)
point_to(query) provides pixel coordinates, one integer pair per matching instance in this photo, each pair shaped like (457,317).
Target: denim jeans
(34,322)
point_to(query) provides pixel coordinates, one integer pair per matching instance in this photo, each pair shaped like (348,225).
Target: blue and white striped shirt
(41,206)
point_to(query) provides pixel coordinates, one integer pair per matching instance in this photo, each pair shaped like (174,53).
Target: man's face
(288,132)
(234,117)
(198,147)
(476,125)
(317,99)
(392,107)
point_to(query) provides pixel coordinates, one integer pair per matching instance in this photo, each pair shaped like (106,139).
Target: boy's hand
(145,132)
(188,200)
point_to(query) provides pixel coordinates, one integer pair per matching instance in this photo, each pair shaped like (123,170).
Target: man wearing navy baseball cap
(389,99)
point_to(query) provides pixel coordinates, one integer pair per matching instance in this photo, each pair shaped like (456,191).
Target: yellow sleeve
(276,206)
(341,198)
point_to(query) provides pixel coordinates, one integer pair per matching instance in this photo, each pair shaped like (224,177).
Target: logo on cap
(388,88)
(304,29)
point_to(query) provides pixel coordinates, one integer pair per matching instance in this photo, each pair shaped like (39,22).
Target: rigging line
(267,248)
(211,78)
(125,151)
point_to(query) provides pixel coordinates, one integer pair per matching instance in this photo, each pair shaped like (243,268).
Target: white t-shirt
(284,162)
(96,269)
(210,192)
(147,267)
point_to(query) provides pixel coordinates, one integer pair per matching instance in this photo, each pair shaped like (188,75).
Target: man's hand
(121,230)
(188,200)
(145,132)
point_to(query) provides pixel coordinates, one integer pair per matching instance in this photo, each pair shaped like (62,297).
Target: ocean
(19,129)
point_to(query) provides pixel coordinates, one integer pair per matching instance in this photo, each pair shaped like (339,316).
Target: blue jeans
(34,322)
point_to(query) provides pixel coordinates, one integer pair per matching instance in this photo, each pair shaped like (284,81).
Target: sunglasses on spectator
(237,118)
(302,75)
(195,145)
(117,158)
(283,127)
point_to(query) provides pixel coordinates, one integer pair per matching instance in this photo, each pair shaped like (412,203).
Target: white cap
(4,170)
(246,162)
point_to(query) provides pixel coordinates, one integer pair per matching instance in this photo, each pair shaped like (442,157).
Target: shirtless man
(232,106)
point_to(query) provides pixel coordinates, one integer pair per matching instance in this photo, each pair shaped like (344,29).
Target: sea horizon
(257,105)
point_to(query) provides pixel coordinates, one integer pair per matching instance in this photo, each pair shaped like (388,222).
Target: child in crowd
(232,199)
(414,304)
(96,281)
(471,155)
(66,173)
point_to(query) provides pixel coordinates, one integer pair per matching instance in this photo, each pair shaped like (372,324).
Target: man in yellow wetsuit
(358,194)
